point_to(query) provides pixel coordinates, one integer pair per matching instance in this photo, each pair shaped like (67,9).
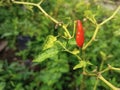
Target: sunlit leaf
(82,64)
(103,55)
(75,51)
(49,42)
(117,33)
(46,54)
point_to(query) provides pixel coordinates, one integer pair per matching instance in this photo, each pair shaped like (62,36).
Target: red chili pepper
(79,34)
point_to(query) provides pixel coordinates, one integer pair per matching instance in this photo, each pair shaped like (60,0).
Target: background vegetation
(26,34)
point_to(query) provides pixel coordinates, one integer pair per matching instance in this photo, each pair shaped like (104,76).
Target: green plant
(82,63)
(93,61)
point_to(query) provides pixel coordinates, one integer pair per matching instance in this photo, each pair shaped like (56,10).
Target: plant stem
(66,30)
(113,68)
(45,13)
(26,3)
(115,12)
(110,68)
(40,8)
(108,83)
(93,38)
(98,26)
(74,29)
(82,86)
(97,81)
(93,20)
(105,70)
(101,65)
(40,2)
(68,50)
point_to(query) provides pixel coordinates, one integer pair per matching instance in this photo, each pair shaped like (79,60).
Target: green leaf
(46,54)
(88,13)
(19,87)
(49,42)
(117,33)
(75,51)
(103,55)
(2,85)
(82,64)
(29,7)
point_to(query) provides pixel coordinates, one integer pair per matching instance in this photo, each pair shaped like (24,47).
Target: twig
(45,13)
(65,49)
(115,12)
(110,68)
(108,83)
(97,81)
(98,26)
(40,2)
(93,38)
(93,20)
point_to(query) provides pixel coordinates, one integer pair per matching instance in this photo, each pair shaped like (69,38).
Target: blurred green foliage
(56,72)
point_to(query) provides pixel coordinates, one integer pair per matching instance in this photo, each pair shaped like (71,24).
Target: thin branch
(97,81)
(108,83)
(45,13)
(105,70)
(85,72)
(65,49)
(26,3)
(74,29)
(98,26)
(110,68)
(90,19)
(96,84)
(115,69)
(93,20)
(66,30)
(41,9)
(115,12)
(92,39)
(40,2)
